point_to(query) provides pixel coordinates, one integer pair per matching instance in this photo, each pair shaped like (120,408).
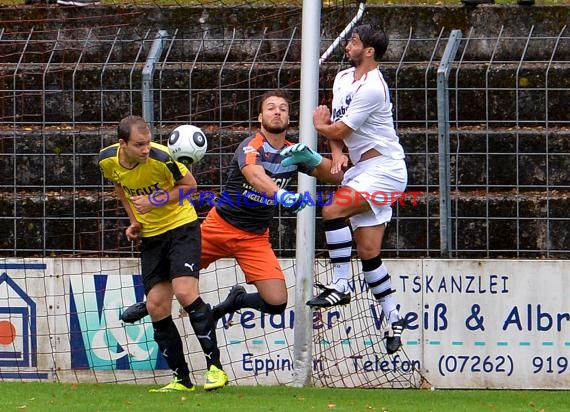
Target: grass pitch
(59,397)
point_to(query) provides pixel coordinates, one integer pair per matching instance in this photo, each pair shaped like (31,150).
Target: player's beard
(355,59)
(275,129)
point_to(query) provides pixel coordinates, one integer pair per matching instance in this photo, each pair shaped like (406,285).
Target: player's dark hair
(373,36)
(126,125)
(273,93)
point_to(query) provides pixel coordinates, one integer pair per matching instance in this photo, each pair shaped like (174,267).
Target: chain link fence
(64,87)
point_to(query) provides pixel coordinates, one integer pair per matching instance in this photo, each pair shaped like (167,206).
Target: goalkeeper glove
(293,201)
(300,153)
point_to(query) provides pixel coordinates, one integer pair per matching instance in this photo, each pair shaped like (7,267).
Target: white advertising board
(491,324)
(472,324)
(25,351)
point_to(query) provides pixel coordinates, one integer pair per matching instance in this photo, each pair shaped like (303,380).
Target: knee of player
(367,251)
(158,309)
(185,297)
(331,212)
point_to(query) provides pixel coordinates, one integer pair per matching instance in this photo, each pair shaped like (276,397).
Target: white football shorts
(382,180)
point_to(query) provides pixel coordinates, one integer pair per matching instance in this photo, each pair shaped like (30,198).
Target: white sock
(389,307)
(380,285)
(340,277)
(339,243)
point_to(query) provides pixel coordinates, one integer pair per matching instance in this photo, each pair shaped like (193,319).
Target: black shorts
(171,254)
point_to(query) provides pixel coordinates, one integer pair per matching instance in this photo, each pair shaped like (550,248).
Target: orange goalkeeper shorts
(253,252)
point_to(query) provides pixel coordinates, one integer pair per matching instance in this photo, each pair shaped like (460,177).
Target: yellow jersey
(160,172)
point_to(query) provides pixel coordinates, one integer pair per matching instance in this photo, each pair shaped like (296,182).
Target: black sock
(255,301)
(202,322)
(170,344)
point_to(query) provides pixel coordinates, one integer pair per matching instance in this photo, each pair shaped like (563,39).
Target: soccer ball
(187,144)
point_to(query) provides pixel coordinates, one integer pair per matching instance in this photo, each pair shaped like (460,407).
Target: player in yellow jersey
(151,186)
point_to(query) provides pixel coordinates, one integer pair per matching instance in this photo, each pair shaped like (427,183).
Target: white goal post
(310,49)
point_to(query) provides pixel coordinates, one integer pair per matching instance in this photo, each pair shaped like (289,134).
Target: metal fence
(62,91)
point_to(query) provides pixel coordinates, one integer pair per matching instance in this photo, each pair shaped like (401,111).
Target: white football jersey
(364,106)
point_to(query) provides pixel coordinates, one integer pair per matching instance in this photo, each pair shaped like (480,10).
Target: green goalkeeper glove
(300,153)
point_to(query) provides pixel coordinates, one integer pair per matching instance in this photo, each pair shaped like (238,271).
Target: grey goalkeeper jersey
(240,204)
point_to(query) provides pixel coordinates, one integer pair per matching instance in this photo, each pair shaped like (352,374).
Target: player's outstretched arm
(300,153)
(325,172)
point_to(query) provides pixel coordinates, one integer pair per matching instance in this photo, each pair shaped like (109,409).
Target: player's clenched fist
(321,115)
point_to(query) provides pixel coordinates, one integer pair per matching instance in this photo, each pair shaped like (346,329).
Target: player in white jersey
(362,121)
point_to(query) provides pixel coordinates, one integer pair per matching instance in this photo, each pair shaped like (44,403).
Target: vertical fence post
(443,141)
(147,73)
